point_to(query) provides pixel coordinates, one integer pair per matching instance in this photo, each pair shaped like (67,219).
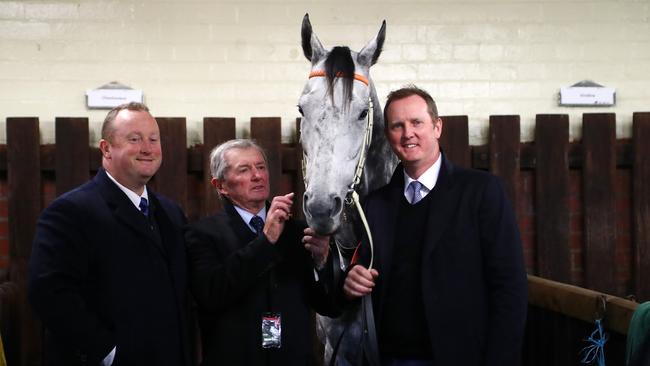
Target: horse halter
(352,197)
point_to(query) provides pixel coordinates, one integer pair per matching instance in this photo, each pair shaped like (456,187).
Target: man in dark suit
(449,284)
(255,283)
(108,273)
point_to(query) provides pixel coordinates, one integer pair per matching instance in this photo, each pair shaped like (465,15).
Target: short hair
(406,92)
(107,126)
(218,163)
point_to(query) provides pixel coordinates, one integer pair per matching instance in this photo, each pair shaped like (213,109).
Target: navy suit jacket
(473,278)
(101,277)
(237,276)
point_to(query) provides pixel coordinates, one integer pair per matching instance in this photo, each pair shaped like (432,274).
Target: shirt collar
(134,197)
(247,216)
(429,178)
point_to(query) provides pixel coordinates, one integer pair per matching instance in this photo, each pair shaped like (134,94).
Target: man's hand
(319,246)
(359,282)
(278,213)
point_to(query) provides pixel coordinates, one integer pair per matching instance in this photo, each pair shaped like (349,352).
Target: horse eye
(363,114)
(300,110)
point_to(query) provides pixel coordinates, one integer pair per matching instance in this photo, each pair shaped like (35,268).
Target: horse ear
(311,46)
(370,52)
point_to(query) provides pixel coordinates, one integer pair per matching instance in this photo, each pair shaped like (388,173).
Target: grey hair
(218,163)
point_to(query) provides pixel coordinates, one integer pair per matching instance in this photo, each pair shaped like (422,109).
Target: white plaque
(111,95)
(587,93)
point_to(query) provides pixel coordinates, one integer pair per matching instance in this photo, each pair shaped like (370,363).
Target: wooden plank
(72,153)
(171,179)
(552,197)
(641,205)
(599,213)
(24,182)
(479,156)
(215,132)
(504,153)
(454,140)
(268,134)
(581,303)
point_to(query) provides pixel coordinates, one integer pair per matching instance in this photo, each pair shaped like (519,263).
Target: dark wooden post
(268,134)
(24,178)
(504,153)
(599,175)
(215,131)
(171,179)
(454,140)
(552,197)
(72,153)
(641,205)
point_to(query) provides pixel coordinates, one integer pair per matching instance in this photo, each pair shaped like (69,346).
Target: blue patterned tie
(258,224)
(416,194)
(144,206)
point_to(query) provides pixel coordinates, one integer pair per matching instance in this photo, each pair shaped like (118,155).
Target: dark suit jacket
(237,276)
(101,277)
(473,277)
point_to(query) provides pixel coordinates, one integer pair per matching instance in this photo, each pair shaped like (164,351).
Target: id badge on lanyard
(271,330)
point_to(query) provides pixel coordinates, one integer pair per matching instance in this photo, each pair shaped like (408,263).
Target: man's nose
(146,146)
(408,131)
(257,173)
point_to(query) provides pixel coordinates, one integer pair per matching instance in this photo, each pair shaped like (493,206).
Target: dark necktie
(416,194)
(258,224)
(144,206)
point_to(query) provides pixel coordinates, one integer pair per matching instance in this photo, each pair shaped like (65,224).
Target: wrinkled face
(246,179)
(332,137)
(412,134)
(132,154)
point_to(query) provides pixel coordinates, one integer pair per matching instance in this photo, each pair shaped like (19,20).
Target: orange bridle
(339,74)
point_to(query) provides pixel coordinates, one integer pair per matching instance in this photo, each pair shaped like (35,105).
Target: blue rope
(595,350)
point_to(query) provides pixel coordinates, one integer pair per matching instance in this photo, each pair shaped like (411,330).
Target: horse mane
(339,64)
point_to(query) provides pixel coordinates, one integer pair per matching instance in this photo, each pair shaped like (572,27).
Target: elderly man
(449,285)
(108,268)
(254,268)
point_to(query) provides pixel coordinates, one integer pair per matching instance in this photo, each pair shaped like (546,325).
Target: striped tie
(144,206)
(258,224)
(416,194)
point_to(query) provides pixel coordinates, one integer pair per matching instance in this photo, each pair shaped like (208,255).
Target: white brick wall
(243,58)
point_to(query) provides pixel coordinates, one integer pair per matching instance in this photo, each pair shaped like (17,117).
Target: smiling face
(246,179)
(132,153)
(413,134)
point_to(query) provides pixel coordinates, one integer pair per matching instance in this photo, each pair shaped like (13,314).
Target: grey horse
(335,113)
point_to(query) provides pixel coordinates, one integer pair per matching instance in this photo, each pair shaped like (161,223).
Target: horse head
(336,113)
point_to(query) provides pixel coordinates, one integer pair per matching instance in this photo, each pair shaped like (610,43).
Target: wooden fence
(538,179)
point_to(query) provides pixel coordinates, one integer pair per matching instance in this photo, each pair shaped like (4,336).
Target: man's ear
(218,185)
(438,127)
(105,148)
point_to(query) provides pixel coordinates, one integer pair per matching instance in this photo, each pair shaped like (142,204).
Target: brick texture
(205,58)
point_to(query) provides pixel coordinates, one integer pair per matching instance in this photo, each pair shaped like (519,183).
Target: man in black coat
(449,283)
(255,272)
(108,273)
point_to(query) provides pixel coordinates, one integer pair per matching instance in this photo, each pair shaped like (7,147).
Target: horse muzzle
(323,213)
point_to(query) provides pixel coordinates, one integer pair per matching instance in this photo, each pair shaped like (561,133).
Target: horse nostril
(305,198)
(338,205)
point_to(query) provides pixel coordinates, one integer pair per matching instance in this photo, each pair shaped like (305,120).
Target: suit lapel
(123,209)
(385,243)
(238,225)
(440,209)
